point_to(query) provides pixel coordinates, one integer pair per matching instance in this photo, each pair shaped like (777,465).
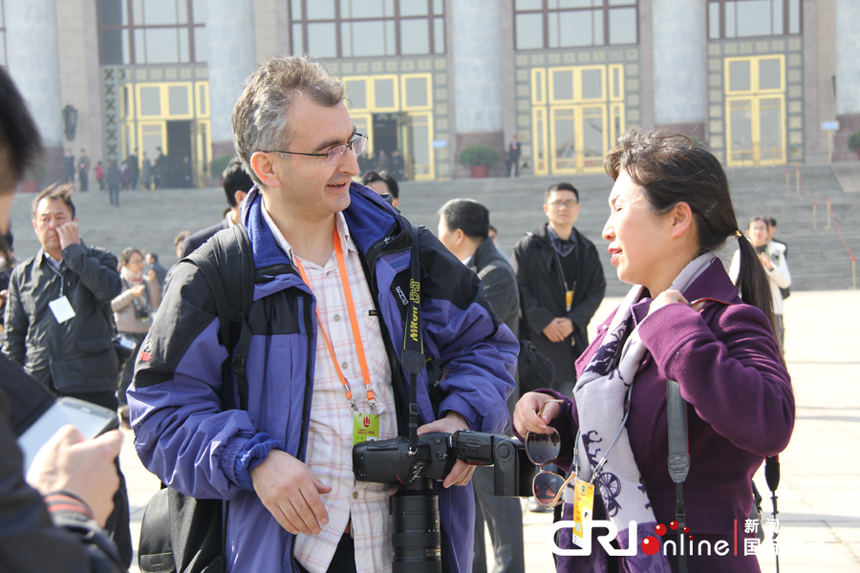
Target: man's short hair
(386,178)
(153,256)
(260,116)
(180,238)
(20,142)
(561,186)
(56,192)
(771,222)
(236,178)
(467,215)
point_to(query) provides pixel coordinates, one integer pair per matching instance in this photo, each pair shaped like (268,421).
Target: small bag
(124,346)
(534,369)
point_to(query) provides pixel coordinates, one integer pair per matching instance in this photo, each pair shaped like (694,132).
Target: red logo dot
(660,529)
(650,545)
(686,530)
(673,525)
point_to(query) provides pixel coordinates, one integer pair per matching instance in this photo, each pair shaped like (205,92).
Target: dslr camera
(417,538)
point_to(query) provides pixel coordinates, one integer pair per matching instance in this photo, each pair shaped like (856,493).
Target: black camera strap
(413,342)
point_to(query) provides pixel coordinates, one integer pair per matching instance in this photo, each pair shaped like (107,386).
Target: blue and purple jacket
(183,436)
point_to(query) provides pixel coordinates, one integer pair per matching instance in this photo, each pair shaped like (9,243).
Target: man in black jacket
(464,227)
(236,183)
(561,284)
(77,479)
(59,325)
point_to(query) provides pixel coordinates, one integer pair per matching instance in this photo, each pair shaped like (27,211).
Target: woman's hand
(664,298)
(526,417)
(137,290)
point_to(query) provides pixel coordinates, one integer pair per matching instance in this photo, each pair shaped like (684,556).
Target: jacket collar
(483,255)
(368,217)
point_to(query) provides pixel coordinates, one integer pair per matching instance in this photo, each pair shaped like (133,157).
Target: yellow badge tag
(583,506)
(365,427)
(569,298)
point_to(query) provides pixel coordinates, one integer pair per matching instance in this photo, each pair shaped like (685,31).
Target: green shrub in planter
(854,141)
(219,164)
(479,155)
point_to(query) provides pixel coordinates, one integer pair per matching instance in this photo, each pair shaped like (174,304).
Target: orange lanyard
(353,321)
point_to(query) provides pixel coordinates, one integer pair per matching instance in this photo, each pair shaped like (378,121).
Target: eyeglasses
(333,155)
(560,204)
(541,449)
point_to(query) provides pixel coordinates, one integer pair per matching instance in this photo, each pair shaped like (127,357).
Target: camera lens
(417,538)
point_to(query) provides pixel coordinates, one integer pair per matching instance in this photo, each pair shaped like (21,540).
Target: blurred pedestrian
(134,166)
(384,184)
(773,260)
(114,179)
(69,166)
(513,157)
(133,312)
(84,170)
(397,165)
(146,174)
(154,270)
(100,175)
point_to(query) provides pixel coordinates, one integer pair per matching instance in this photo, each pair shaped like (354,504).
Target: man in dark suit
(514,156)
(464,227)
(237,183)
(134,166)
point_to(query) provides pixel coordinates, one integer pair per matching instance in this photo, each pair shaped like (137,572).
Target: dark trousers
(84,179)
(344,557)
(504,518)
(127,372)
(114,195)
(118,521)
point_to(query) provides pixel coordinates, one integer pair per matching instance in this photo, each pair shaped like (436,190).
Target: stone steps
(817,259)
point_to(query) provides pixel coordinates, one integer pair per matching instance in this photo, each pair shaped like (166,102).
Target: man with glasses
(561,284)
(324,365)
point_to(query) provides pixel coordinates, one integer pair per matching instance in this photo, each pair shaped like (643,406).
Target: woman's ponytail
(752,280)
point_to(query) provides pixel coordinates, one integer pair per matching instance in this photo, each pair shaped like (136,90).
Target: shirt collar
(342,229)
(51,259)
(563,246)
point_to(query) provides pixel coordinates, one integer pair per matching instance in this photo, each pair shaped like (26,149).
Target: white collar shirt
(361,505)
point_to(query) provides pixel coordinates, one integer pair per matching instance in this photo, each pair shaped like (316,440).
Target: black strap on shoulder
(225,258)
(679,458)
(413,342)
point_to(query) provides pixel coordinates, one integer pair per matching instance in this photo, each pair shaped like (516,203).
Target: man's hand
(69,234)
(291,493)
(83,467)
(151,275)
(558,329)
(765,261)
(462,472)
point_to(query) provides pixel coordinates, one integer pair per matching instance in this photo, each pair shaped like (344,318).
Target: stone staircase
(817,259)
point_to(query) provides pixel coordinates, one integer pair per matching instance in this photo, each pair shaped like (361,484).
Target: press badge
(583,507)
(568,296)
(62,309)
(365,427)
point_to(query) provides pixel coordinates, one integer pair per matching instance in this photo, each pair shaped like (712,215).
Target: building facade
(762,82)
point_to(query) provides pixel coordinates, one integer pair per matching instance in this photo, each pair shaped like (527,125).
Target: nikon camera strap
(413,342)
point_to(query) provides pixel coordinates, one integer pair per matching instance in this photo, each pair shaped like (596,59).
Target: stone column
(680,65)
(478,86)
(32,54)
(847,77)
(230,28)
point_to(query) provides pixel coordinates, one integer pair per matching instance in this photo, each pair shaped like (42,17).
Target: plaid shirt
(329,453)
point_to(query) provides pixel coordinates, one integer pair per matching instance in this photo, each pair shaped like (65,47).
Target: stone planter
(480,171)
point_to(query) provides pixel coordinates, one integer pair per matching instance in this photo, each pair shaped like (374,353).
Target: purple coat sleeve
(729,369)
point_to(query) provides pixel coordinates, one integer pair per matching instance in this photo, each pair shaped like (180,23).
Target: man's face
(50,215)
(758,233)
(312,187)
(446,236)
(562,208)
(7,188)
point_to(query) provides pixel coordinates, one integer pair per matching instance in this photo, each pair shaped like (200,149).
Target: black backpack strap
(413,342)
(227,264)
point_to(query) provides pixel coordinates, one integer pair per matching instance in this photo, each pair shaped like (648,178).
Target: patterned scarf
(600,394)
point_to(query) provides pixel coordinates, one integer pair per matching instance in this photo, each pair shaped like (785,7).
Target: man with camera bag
(324,368)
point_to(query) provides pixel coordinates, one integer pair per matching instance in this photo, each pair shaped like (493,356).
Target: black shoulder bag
(180,533)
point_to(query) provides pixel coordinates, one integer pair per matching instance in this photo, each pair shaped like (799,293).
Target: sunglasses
(548,487)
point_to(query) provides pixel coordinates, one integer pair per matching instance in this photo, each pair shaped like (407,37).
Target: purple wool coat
(741,409)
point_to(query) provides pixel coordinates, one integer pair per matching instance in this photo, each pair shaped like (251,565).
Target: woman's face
(135,263)
(638,238)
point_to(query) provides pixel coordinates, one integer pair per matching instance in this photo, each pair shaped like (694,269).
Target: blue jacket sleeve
(477,353)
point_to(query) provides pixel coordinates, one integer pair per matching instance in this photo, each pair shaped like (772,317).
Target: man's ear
(264,168)
(239,196)
(681,218)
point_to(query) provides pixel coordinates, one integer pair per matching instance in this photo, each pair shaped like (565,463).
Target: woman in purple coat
(683,320)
